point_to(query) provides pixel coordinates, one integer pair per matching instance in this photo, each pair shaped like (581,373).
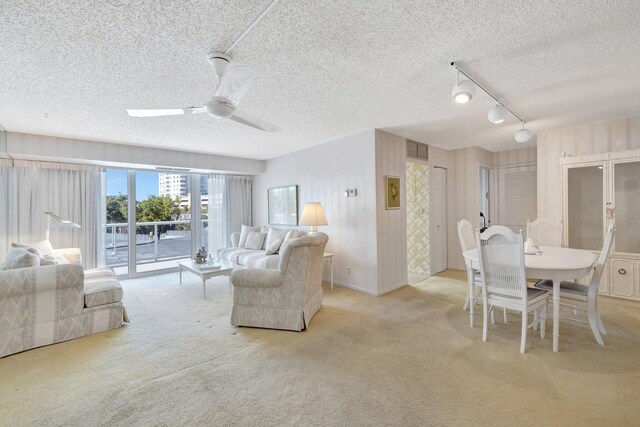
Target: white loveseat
(251,258)
(43,305)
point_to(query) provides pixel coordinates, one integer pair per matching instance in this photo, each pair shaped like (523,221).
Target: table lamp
(313,215)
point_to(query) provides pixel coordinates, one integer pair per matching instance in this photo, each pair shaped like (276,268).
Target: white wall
(322,173)
(391,159)
(40,147)
(614,135)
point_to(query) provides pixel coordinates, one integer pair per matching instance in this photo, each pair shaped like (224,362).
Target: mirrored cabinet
(599,189)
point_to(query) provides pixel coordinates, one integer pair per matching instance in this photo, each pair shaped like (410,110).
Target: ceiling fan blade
(164,112)
(249,120)
(235,84)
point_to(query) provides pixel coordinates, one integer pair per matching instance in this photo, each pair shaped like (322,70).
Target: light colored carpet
(406,358)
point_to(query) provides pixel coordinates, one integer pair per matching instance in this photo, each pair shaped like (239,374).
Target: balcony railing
(155,241)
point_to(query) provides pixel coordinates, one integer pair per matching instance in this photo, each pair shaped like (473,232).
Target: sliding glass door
(165,214)
(117,229)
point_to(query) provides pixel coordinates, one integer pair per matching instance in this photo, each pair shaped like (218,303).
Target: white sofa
(251,258)
(43,305)
(286,297)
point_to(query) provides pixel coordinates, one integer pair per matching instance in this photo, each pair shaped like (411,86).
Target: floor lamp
(58,222)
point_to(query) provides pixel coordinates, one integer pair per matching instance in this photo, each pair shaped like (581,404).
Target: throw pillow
(44,247)
(20,258)
(28,248)
(284,246)
(48,260)
(292,234)
(255,240)
(265,229)
(244,233)
(275,237)
(53,260)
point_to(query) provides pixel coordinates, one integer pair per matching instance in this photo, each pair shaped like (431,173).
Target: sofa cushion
(20,258)
(244,233)
(96,273)
(255,240)
(258,259)
(232,254)
(101,291)
(275,237)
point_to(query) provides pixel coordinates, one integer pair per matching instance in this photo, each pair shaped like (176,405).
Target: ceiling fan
(235,82)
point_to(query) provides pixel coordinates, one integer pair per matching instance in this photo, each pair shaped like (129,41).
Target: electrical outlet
(349,269)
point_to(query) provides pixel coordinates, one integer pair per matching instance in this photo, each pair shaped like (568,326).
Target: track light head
(497,114)
(523,135)
(463,91)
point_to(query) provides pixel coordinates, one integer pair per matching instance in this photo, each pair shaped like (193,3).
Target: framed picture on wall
(283,205)
(392,189)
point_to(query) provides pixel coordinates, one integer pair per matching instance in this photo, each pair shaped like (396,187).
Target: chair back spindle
(545,231)
(466,236)
(501,257)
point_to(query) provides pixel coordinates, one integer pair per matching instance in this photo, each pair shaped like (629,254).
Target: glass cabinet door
(626,189)
(585,207)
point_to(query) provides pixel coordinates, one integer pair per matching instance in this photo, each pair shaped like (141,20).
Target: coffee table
(205,273)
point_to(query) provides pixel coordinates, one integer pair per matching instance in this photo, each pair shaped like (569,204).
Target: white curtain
(74,192)
(229,208)
(238,202)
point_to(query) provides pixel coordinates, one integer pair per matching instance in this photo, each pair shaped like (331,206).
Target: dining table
(552,263)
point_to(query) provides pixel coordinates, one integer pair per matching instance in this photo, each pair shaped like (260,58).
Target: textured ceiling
(326,69)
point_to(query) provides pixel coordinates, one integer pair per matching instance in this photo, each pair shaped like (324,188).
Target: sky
(146,183)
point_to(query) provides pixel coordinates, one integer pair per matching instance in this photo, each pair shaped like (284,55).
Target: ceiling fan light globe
(219,110)
(463,92)
(497,114)
(523,135)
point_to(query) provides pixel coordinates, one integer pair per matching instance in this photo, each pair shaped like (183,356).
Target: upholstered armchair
(286,297)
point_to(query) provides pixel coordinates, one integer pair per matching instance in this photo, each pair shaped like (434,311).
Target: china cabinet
(600,188)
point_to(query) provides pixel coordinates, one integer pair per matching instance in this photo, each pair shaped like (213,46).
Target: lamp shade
(497,114)
(523,135)
(463,92)
(65,224)
(313,215)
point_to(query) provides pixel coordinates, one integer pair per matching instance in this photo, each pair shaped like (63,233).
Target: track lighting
(497,114)
(463,91)
(523,135)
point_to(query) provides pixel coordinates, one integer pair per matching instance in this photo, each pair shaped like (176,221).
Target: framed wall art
(392,189)
(283,205)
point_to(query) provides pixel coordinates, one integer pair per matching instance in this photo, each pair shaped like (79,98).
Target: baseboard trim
(393,289)
(355,288)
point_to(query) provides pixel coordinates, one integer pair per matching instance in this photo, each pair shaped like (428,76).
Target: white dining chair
(545,231)
(585,297)
(474,282)
(502,269)
(468,242)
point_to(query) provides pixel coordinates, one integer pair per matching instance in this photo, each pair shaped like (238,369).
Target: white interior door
(438,219)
